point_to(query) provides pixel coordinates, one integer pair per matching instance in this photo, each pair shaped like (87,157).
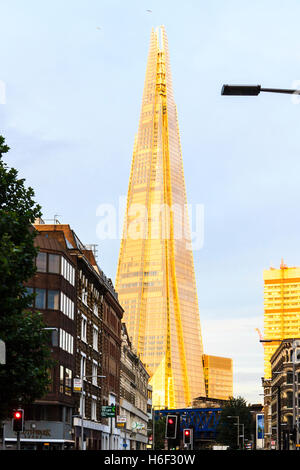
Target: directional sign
(2,352)
(108,411)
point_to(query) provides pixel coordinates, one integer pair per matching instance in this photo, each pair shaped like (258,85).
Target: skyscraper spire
(155,276)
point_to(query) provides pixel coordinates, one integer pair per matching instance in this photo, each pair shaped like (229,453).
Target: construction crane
(261,338)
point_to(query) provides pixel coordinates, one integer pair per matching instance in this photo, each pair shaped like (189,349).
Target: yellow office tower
(218,374)
(282,309)
(155,277)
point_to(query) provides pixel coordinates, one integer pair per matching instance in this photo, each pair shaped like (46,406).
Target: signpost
(77,385)
(108,411)
(121,421)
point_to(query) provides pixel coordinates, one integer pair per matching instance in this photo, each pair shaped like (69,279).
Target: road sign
(108,411)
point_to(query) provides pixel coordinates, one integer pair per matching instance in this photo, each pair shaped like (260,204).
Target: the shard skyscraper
(155,277)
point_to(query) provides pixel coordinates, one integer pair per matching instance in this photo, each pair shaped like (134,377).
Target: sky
(71,83)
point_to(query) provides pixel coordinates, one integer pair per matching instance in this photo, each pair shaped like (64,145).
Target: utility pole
(238,429)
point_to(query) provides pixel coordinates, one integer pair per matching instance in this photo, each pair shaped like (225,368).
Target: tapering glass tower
(155,277)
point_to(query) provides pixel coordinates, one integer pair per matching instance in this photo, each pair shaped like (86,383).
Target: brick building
(80,302)
(134,397)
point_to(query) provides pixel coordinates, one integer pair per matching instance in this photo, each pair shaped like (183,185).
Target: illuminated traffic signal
(187,436)
(18,420)
(171,426)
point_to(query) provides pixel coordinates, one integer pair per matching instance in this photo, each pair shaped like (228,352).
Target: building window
(53,299)
(53,264)
(83,328)
(41,262)
(84,297)
(94,409)
(67,271)
(67,306)
(66,341)
(96,309)
(61,379)
(289,400)
(94,373)
(83,366)
(40,299)
(95,338)
(68,382)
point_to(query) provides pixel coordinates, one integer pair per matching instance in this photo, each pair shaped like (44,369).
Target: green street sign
(108,411)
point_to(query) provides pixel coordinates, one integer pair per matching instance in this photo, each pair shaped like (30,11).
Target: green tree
(160,432)
(227,431)
(25,376)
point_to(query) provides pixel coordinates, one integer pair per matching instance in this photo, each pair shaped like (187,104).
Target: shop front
(40,435)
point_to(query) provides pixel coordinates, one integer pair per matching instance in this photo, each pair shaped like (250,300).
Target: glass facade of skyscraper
(155,277)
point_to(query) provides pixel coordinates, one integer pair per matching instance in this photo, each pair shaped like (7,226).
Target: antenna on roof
(282,265)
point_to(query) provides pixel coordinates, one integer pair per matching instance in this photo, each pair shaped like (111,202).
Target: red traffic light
(187,436)
(171,426)
(18,420)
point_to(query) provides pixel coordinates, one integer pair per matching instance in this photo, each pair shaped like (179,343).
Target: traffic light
(187,436)
(18,420)
(171,426)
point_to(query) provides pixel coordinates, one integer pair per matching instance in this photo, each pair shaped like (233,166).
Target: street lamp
(253,90)
(238,428)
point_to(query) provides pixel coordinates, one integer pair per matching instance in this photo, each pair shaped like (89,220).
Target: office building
(155,276)
(218,376)
(281,309)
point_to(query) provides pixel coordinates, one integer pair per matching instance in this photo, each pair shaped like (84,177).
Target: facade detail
(133,397)
(155,276)
(48,422)
(218,375)
(281,309)
(283,387)
(80,303)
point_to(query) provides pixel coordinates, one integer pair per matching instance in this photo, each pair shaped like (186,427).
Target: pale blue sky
(74,74)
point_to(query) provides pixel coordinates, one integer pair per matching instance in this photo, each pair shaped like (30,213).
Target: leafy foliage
(25,376)
(227,430)
(160,431)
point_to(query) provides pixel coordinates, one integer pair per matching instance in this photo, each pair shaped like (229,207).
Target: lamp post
(253,90)
(238,428)
(243,435)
